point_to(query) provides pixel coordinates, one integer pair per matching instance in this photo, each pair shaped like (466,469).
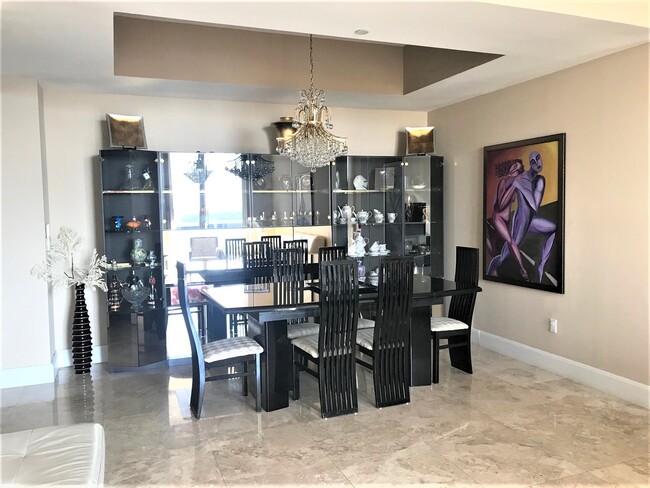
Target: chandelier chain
(311,63)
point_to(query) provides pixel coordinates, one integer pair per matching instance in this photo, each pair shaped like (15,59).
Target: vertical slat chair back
(235,248)
(257,254)
(274,241)
(300,244)
(391,345)
(288,275)
(339,309)
(461,307)
(331,253)
(198,360)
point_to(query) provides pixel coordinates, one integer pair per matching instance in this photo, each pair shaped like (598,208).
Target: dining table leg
(276,360)
(421,346)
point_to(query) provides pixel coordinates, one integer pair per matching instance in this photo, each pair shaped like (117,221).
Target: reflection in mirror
(196,187)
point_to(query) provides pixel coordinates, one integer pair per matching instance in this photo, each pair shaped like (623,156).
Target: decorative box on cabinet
(130,187)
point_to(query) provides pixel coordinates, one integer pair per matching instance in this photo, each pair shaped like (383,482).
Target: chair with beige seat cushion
(456,327)
(388,342)
(332,351)
(224,352)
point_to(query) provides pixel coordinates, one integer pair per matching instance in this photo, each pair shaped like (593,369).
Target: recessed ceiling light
(361,32)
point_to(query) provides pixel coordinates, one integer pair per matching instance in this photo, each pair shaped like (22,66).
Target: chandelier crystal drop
(251,167)
(312,145)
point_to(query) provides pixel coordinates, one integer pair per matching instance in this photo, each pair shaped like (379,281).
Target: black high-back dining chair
(235,248)
(224,352)
(333,350)
(300,244)
(288,288)
(254,255)
(456,328)
(331,253)
(387,343)
(274,241)
(288,265)
(257,255)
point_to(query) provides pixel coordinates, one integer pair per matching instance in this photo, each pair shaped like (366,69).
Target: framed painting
(126,131)
(420,140)
(523,213)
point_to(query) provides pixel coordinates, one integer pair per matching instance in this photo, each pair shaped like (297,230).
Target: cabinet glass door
(366,198)
(423,228)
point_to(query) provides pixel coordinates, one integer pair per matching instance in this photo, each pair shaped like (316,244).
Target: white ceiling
(70,44)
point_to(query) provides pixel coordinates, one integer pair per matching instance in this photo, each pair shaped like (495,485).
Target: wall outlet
(552,325)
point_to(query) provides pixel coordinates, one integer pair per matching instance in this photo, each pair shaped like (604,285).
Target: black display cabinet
(131,210)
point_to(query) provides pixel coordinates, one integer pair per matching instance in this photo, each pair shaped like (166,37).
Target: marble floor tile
(507,425)
(582,480)
(415,464)
(500,455)
(155,466)
(633,473)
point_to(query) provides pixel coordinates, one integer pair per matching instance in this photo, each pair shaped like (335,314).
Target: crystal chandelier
(312,145)
(251,167)
(199,173)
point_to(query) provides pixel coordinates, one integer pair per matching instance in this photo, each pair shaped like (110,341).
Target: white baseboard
(46,373)
(30,375)
(624,388)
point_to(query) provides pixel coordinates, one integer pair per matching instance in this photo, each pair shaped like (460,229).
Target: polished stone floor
(508,424)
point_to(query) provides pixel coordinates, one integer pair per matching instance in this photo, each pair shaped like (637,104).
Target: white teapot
(362,216)
(346,212)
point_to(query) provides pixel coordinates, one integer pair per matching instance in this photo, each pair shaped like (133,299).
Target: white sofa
(55,456)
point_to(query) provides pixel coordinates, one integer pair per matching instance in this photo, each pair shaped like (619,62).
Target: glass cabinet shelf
(347,192)
(128,192)
(285,191)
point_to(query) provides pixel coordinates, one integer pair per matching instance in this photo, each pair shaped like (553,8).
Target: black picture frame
(523,212)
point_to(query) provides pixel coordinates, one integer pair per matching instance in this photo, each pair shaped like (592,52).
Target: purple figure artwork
(502,208)
(528,189)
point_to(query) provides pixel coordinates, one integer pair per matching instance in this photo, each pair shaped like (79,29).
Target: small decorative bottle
(131,182)
(114,294)
(138,253)
(148,182)
(152,290)
(152,259)
(361,269)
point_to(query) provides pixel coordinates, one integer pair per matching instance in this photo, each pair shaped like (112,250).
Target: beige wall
(603,108)
(25,332)
(75,132)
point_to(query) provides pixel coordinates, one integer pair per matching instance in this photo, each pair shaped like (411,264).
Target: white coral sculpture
(59,268)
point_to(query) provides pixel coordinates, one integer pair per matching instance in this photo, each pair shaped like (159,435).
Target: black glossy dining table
(267,323)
